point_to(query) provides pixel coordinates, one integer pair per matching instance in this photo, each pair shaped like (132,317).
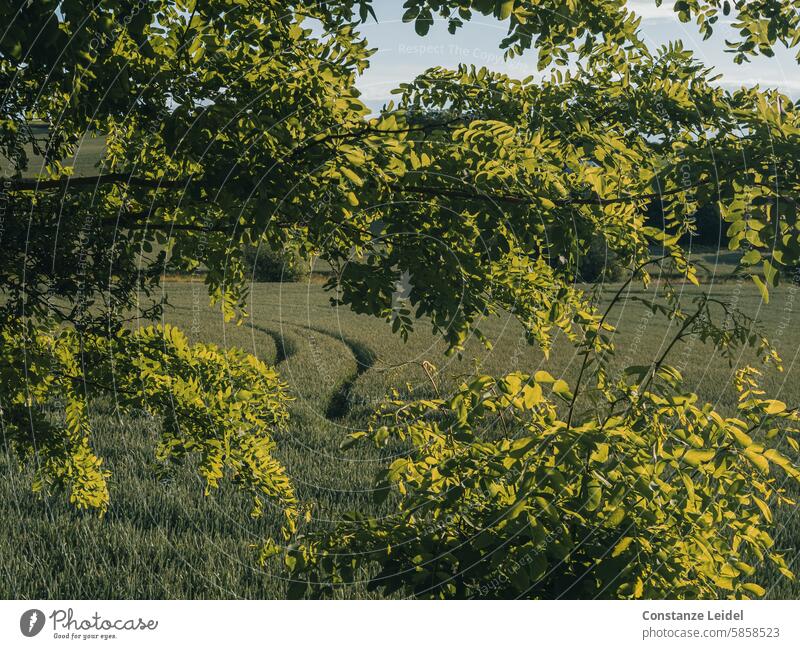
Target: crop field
(162,538)
(84,162)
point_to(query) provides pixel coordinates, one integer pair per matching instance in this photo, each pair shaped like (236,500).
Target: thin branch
(679,336)
(33,184)
(369,130)
(518,199)
(611,304)
(140,221)
(83,381)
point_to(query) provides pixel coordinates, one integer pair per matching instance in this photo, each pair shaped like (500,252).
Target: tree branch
(518,199)
(33,184)
(369,130)
(587,350)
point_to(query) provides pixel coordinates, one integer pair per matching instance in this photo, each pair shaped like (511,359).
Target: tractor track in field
(340,401)
(285,347)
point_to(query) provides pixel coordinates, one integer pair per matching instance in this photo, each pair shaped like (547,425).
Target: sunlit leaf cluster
(219,406)
(655,495)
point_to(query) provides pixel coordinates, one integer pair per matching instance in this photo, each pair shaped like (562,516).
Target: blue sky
(402,54)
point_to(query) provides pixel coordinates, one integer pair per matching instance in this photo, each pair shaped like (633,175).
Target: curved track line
(340,402)
(285,348)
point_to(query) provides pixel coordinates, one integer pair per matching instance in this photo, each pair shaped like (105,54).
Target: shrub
(599,263)
(264,264)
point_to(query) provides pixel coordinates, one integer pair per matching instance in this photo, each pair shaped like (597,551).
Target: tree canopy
(230,124)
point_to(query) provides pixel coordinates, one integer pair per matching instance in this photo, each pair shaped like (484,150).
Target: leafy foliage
(221,405)
(38,369)
(657,495)
(482,191)
(530,24)
(599,264)
(513,172)
(266,265)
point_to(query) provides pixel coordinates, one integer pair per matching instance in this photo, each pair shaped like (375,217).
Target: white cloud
(648,10)
(789,86)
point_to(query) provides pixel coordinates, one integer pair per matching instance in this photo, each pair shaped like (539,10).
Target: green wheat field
(163,538)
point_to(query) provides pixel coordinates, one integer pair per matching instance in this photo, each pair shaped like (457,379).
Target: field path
(285,346)
(365,357)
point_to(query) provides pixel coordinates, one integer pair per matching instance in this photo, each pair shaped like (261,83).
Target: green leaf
(774,407)
(623,545)
(351,440)
(757,459)
(751,257)
(696,457)
(765,510)
(352,176)
(757,590)
(594,496)
(423,23)
(561,388)
(504,9)
(531,395)
(762,288)
(770,273)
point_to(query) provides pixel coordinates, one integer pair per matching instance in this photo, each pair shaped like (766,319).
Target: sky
(402,54)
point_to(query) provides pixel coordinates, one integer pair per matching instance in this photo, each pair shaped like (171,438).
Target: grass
(167,540)
(84,161)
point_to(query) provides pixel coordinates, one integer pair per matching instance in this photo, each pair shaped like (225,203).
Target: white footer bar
(397,624)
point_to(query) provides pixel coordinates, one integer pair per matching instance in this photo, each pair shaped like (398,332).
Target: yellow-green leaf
(620,547)
(762,288)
